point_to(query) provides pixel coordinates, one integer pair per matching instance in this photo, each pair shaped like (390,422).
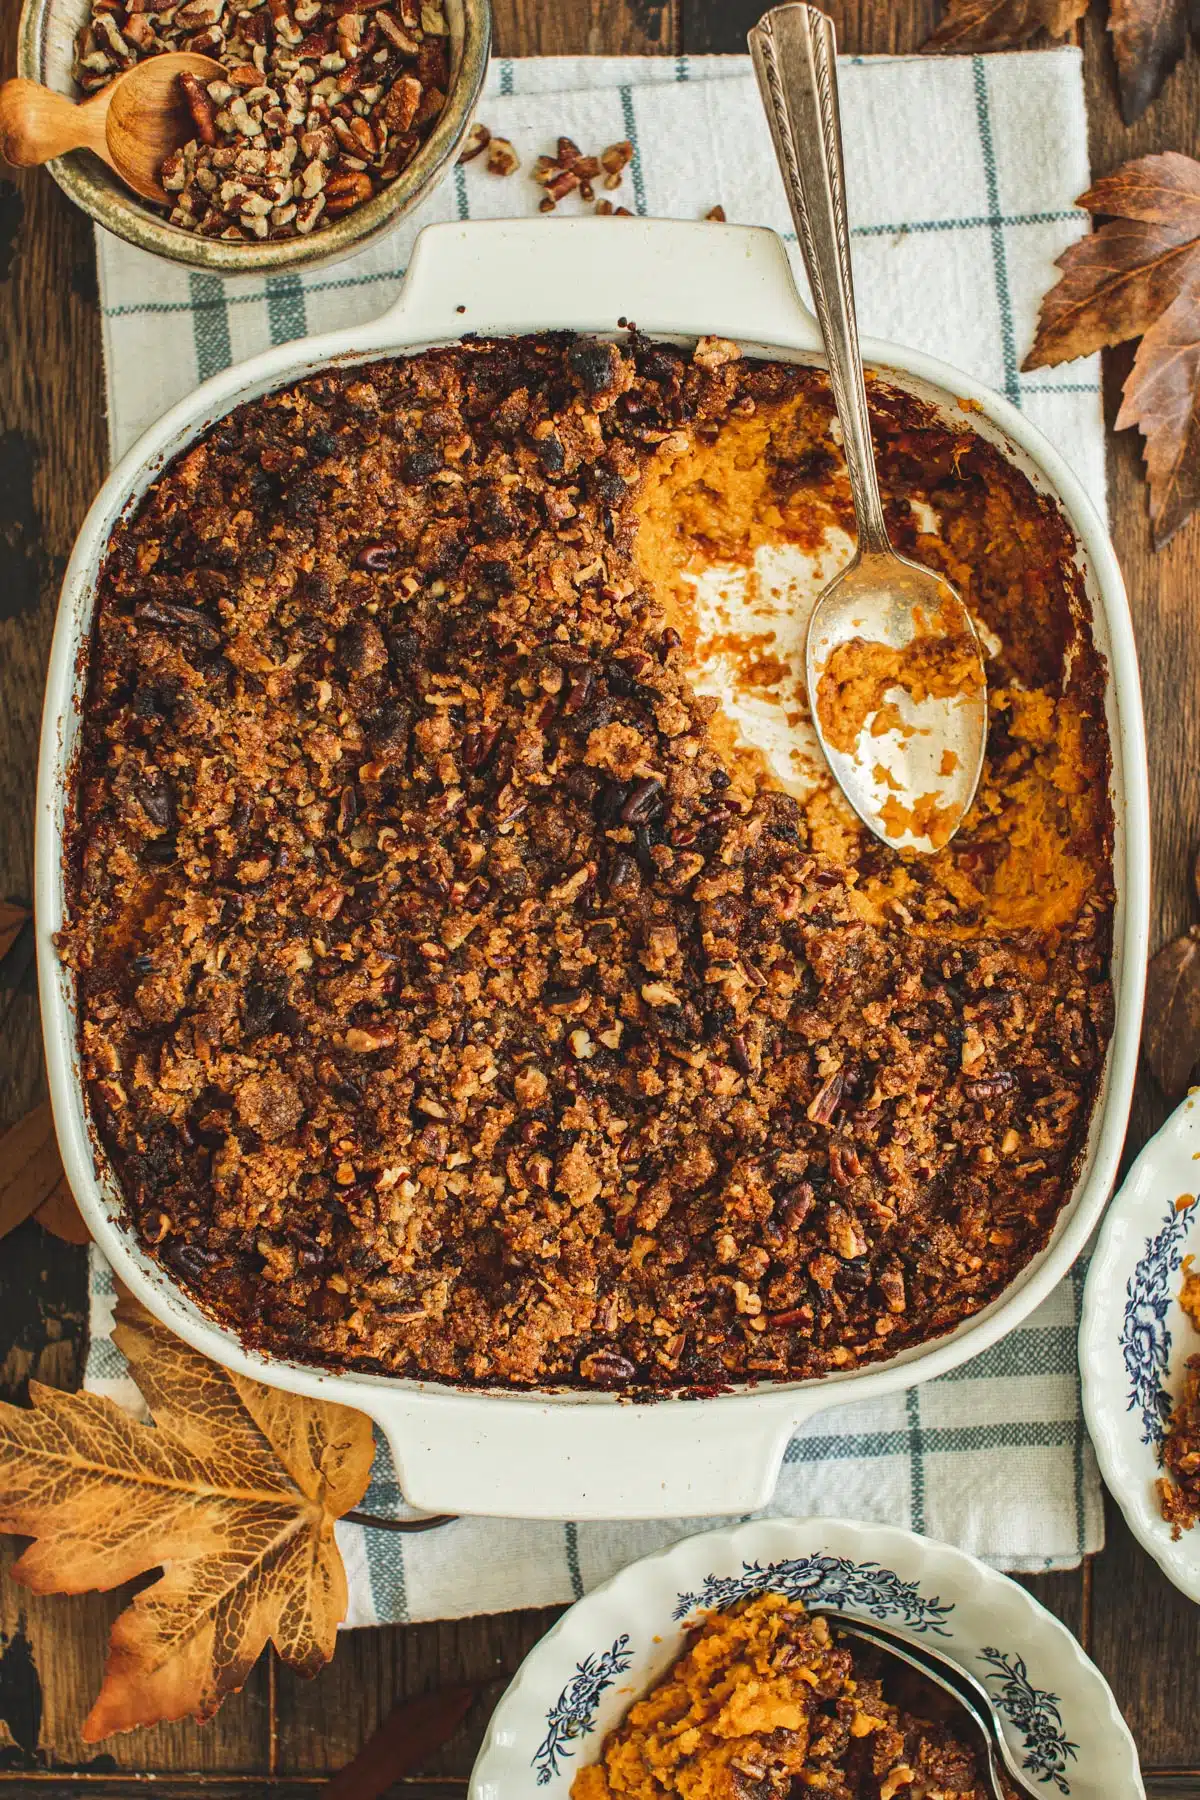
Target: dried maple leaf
(409,1733)
(1002,24)
(30,1167)
(232,1494)
(1162,398)
(1171,1022)
(1149,37)
(1116,282)
(1139,275)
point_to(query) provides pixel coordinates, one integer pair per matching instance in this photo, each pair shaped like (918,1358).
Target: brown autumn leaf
(410,1732)
(1149,37)
(232,1493)
(11,920)
(1171,1021)
(1116,282)
(1162,398)
(1002,24)
(1139,276)
(30,1167)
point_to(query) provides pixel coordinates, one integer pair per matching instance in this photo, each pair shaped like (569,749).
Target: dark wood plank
(1146,1639)
(1145,1635)
(864,27)
(51,461)
(586,27)
(321,1723)
(224,1787)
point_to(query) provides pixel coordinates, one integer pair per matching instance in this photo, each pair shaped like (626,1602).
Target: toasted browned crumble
(1179,1487)
(453,1001)
(768,1702)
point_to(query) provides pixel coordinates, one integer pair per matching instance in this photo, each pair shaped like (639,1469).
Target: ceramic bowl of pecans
(334,117)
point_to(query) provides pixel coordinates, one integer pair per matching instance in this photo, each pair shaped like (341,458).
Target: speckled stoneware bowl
(45,47)
(1058,1715)
(1135,1336)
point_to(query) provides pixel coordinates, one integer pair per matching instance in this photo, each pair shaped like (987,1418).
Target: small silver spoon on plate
(894,667)
(969,1695)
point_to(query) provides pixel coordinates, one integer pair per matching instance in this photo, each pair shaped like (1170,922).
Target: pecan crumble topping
(1179,1486)
(457,998)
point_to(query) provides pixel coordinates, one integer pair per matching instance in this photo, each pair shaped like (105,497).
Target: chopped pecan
(200,107)
(606,1368)
(502,159)
(476,141)
(343,191)
(990,1087)
(826,1100)
(379,82)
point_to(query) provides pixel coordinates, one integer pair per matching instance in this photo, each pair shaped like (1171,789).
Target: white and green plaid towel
(962,174)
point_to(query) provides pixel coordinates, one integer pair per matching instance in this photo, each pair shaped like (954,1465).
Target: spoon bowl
(894,667)
(970,1699)
(894,672)
(132,124)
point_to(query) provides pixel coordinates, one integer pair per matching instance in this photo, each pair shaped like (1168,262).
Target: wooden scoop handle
(37,124)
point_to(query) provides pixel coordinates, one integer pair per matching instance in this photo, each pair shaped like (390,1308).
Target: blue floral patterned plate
(574,1686)
(1135,1336)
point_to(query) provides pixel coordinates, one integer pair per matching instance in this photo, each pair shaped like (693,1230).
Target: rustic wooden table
(280,1736)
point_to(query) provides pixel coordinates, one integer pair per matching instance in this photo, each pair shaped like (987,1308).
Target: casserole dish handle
(546,1459)
(670,276)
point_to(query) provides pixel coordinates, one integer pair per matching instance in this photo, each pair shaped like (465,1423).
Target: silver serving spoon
(969,1695)
(907,752)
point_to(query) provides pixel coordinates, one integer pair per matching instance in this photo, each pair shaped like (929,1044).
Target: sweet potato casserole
(1179,1486)
(766,1703)
(460,994)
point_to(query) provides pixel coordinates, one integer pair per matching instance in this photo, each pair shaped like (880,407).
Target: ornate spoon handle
(794,50)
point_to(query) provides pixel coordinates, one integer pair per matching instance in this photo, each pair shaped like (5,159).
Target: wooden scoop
(132,124)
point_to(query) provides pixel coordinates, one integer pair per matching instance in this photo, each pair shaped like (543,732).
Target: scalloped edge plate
(1134,1335)
(1060,1717)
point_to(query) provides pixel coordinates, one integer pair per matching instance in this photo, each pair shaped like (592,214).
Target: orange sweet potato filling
(765,1700)
(861,672)
(1033,847)
(1179,1487)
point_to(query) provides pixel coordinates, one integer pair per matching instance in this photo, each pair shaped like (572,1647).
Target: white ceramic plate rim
(639,1602)
(1165,1169)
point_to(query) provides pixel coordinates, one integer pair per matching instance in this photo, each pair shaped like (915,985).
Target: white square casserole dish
(566,1454)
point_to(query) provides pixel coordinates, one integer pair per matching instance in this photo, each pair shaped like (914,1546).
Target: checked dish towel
(962,174)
